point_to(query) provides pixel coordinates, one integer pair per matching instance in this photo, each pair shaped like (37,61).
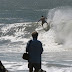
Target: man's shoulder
(35,41)
(39,41)
(29,41)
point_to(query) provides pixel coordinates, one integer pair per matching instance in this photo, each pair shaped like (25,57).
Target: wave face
(61,18)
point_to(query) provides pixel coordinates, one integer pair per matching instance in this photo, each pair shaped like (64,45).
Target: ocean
(18,19)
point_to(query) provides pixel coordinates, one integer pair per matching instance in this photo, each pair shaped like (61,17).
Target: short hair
(34,34)
(42,16)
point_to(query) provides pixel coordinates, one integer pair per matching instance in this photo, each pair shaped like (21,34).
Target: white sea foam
(58,38)
(17,66)
(61,23)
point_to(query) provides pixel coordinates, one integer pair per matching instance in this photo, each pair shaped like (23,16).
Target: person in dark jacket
(34,49)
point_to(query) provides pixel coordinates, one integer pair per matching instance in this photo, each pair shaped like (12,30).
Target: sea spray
(61,20)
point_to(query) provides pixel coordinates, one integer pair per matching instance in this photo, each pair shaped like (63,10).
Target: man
(34,49)
(43,20)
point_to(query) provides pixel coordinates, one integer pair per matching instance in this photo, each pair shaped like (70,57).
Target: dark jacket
(35,49)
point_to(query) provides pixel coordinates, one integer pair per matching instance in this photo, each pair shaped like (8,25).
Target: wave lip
(61,21)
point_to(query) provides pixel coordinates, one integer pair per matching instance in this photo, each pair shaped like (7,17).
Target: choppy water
(17,21)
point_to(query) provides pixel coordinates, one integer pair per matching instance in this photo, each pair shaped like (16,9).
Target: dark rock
(2,68)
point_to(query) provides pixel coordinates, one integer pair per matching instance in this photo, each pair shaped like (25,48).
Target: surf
(61,18)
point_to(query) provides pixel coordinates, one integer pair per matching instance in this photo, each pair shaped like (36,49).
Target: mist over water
(61,22)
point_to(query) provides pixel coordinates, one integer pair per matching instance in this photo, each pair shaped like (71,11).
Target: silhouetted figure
(35,49)
(43,20)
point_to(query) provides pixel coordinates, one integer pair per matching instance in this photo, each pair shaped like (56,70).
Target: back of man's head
(42,16)
(34,34)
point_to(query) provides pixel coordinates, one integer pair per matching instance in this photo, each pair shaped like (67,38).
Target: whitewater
(18,19)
